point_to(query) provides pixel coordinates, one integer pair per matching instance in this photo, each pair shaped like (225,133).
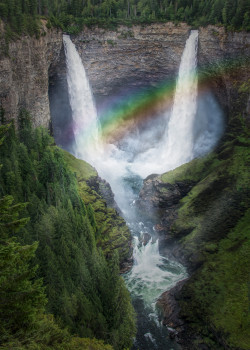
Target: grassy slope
(112,230)
(213,226)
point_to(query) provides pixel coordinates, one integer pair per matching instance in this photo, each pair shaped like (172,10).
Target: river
(191,128)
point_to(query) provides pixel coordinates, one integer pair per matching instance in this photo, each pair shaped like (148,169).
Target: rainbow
(140,106)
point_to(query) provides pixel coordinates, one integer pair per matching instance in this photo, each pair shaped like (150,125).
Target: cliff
(118,61)
(24,77)
(128,61)
(128,58)
(223,60)
(202,215)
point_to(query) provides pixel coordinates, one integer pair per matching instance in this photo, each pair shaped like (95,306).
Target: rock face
(160,201)
(116,63)
(140,56)
(131,57)
(24,76)
(224,62)
(121,63)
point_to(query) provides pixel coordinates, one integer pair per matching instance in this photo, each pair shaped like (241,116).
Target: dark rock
(168,303)
(172,333)
(161,200)
(145,238)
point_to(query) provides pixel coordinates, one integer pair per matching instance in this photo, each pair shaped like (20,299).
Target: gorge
(144,61)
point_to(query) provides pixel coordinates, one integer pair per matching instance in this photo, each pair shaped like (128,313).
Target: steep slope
(84,290)
(203,214)
(112,231)
(24,72)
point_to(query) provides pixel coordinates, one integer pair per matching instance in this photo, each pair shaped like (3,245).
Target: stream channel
(191,128)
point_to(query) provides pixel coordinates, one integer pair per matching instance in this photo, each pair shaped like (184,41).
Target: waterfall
(180,139)
(84,113)
(192,129)
(178,144)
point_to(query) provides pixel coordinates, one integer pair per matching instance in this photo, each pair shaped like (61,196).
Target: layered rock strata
(24,74)
(133,57)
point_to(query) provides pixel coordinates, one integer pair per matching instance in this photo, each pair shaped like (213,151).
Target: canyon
(116,61)
(196,205)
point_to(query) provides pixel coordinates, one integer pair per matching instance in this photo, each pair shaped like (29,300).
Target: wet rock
(168,303)
(145,238)
(172,333)
(161,200)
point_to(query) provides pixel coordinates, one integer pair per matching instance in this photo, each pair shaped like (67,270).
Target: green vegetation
(220,290)
(190,171)
(213,230)
(58,244)
(111,230)
(23,322)
(71,16)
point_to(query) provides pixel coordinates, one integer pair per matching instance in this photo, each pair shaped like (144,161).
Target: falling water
(177,144)
(190,132)
(81,101)
(180,141)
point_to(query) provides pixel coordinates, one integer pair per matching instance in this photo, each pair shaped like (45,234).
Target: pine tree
(22,297)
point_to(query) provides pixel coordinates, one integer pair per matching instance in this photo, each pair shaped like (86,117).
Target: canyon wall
(117,62)
(223,62)
(24,66)
(129,58)
(141,56)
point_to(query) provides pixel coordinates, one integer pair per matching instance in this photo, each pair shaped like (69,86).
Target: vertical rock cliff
(24,77)
(131,57)
(224,63)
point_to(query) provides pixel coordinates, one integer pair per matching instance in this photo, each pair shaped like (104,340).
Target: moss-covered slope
(112,232)
(212,227)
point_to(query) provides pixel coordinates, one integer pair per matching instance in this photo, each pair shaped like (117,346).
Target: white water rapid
(192,128)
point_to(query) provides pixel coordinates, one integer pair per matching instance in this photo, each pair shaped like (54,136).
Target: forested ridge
(72,15)
(53,275)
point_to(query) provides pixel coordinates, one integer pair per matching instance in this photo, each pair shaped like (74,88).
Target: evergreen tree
(74,271)
(23,15)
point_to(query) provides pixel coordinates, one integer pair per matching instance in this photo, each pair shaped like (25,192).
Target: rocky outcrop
(24,77)
(156,193)
(168,305)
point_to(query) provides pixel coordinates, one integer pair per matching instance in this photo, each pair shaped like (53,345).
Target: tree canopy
(71,15)
(49,260)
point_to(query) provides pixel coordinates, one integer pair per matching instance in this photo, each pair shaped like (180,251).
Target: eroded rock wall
(145,55)
(117,62)
(24,74)
(224,63)
(131,57)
